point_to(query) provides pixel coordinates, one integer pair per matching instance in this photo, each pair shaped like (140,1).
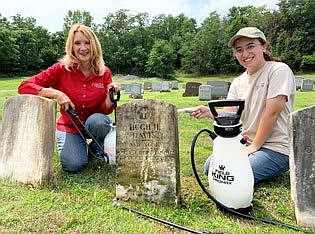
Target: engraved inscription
(147,152)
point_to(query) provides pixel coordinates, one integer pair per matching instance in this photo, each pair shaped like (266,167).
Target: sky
(50,14)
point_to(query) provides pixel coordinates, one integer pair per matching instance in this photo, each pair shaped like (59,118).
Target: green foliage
(308,63)
(128,39)
(77,17)
(161,61)
(296,32)
(9,51)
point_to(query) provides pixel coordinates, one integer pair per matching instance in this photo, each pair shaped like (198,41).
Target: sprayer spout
(212,135)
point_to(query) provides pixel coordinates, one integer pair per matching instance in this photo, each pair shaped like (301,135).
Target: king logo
(221,167)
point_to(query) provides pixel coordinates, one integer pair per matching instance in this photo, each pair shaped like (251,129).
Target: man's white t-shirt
(272,80)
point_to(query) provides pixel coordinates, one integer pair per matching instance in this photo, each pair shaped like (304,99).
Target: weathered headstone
(136,90)
(28,139)
(183,88)
(127,88)
(298,82)
(131,77)
(147,152)
(191,89)
(307,85)
(302,164)
(219,89)
(165,86)
(123,87)
(205,92)
(174,85)
(147,86)
(156,86)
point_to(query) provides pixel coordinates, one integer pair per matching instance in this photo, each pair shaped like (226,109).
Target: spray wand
(72,114)
(114,100)
(117,204)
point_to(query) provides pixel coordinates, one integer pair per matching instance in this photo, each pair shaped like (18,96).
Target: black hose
(114,100)
(71,113)
(115,203)
(220,205)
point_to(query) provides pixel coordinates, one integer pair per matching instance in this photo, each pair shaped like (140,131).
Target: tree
(29,40)
(9,52)
(296,36)
(115,40)
(135,44)
(54,49)
(161,61)
(175,30)
(202,53)
(75,17)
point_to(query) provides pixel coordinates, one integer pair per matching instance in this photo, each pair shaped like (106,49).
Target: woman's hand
(201,112)
(251,149)
(114,85)
(63,100)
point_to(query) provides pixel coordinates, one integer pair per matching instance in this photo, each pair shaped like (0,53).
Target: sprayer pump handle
(222,103)
(71,112)
(111,95)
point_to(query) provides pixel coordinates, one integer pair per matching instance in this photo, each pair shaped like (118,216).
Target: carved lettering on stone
(147,152)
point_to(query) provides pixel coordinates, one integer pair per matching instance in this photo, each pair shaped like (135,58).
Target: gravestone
(298,82)
(127,88)
(191,89)
(123,87)
(131,77)
(307,85)
(147,86)
(156,86)
(302,164)
(183,88)
(28,139)
(205,92)
(219,89)
(174,85)
(136,90)
(147,152)
(165,86)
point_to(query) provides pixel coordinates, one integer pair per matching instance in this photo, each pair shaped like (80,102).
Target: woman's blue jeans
(72,148)
(265,163)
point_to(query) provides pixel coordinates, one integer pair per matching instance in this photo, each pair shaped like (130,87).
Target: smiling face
(250,53)
(81,48)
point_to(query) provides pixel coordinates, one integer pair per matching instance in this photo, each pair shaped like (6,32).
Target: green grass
(82,202)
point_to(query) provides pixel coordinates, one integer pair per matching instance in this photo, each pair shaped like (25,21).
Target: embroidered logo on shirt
(260,85)
(98,85)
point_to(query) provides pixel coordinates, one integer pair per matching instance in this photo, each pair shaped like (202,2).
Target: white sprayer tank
(110,145)
(230,175)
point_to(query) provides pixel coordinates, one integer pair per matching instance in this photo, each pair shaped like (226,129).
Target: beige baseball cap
(250,32)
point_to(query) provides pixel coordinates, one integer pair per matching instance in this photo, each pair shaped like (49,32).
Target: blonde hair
(97,61)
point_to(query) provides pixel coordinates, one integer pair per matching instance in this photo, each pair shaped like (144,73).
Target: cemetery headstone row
(303,84)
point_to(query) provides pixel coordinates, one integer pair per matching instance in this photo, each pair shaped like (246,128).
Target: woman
(268,88)
(79,81)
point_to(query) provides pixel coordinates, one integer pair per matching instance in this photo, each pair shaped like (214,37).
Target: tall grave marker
(147,152)
(302,164)
(27,139)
